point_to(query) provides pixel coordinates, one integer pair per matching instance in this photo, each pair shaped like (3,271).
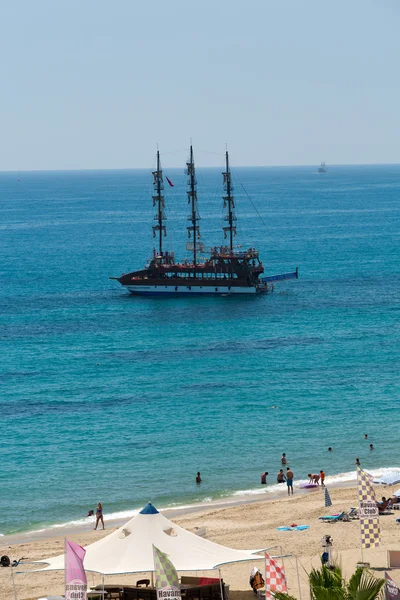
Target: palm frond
(364,586)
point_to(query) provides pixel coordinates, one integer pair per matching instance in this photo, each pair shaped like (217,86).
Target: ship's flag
(392,591)
(368,511)
(167,580)
(75,576)
(169,181)
(275,578)
(328,501)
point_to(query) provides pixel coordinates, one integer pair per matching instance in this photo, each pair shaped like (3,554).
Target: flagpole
(298,576)
(265,573)
(65,565)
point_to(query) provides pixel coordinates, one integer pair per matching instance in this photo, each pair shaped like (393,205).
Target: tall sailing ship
(322,168)
(221,270)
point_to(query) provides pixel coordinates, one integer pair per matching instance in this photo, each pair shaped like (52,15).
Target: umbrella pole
(102,582)
(152,579)
(220,585)
(13,584)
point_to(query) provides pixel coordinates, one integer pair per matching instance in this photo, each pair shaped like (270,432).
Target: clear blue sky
(96,84)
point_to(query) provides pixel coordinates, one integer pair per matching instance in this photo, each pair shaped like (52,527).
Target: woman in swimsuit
(99,515)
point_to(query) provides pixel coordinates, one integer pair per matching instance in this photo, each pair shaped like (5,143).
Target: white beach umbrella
(129,549)
(390,478)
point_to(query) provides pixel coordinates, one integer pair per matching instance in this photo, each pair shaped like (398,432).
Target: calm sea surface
(104,396)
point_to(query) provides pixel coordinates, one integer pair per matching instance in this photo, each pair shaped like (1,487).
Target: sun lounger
(343,516)
(295,528)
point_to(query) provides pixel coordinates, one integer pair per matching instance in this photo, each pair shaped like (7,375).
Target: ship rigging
(228,270)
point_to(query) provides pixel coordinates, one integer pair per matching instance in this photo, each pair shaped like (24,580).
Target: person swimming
(198,477)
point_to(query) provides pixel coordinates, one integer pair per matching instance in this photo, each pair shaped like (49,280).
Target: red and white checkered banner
(275,578)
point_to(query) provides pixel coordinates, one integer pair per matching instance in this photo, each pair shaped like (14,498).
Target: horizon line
(311,165)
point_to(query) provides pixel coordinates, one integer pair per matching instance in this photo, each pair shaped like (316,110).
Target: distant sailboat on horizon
(322,168)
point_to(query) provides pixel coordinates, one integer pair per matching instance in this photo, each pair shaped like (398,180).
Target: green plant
(329,584)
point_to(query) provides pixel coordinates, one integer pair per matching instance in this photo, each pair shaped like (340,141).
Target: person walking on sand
(289,480)
(99,515)
(322,477)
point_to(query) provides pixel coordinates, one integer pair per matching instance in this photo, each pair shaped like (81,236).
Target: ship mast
(158,199)
(229,202)
(194,218)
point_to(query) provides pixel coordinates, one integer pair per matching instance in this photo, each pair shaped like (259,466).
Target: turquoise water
(109,397)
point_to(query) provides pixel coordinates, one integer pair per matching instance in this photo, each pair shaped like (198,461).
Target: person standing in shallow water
(284,459)
(99,514)
(289,480)
(198,477)
(280,478)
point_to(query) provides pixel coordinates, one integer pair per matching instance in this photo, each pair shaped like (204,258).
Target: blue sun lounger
(333,518)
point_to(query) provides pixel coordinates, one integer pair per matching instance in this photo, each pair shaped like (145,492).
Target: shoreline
(204,507)
(270,492)
(254,523)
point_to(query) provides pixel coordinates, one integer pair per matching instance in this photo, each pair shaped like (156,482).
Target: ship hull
(183,290)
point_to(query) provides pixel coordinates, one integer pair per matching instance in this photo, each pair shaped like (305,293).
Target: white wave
(332,480)
(231,498)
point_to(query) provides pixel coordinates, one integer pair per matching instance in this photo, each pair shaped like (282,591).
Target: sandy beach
(251,525)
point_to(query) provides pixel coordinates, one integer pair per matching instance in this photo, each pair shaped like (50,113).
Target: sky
(94,84)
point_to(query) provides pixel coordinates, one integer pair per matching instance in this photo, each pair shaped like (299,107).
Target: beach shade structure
(390,478)
(129,549)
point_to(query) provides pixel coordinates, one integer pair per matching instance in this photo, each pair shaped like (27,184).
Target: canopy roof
(390,478)
(129,549)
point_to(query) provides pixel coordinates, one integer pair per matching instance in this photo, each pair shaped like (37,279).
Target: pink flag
(391,589)
(275,579)
(170,182)
(75,576)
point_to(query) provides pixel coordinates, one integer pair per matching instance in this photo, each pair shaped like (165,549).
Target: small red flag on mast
(170,182)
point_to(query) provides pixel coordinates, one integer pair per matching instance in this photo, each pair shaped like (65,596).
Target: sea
(121,399)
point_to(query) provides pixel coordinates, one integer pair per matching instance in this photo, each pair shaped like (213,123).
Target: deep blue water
(109,397)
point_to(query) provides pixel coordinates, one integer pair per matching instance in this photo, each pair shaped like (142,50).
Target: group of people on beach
(288,477)
(314,478)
